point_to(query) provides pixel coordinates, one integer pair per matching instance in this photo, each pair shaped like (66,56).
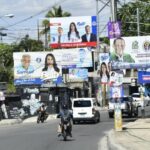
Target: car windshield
(121,99)
(85,103)
(136,95)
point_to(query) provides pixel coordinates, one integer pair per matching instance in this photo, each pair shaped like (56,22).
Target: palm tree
(55,12)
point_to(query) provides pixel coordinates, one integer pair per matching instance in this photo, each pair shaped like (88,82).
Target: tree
(6,63)
(128,16)
(27,44)
(57,12)
(54,12)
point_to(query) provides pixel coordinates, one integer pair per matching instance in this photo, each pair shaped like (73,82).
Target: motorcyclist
(43,112)
(65,112)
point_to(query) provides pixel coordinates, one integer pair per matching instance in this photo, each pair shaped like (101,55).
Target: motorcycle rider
(65,112)
(43,112)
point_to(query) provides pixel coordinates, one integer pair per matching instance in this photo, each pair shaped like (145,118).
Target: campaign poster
(104,68)
(41,67)
(32,68)
(144,76)
(114,29)
(116,92)
(68,32)
(78,74)
(130,52)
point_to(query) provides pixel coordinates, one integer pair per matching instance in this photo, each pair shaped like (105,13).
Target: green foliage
(31,45)
(54,12)
(128,16)
(57,12)
(11,88)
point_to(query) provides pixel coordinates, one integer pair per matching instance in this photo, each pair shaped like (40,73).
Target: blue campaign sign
(143,77)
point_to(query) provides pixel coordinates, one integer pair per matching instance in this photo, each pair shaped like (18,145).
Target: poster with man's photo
(41,67)
(130,52)
(73,32)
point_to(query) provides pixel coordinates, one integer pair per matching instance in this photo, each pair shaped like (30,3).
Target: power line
(37,14)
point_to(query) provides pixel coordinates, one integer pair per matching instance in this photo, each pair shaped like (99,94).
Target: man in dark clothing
(88,37)
(65,113)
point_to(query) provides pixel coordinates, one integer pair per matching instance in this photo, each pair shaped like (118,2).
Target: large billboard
(73,32)
(130,52)
(144,76)
(78,74)
(39,67)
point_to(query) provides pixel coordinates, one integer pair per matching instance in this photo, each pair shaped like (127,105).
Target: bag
(59,128)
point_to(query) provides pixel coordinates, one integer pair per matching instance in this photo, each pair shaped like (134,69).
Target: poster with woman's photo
(32,68)
(104,68)
(41,67)
(73,32)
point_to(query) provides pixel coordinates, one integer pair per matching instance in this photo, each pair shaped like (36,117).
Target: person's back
(65,115)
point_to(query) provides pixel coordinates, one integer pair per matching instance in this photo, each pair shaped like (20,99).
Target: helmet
(64,106)
(43,105)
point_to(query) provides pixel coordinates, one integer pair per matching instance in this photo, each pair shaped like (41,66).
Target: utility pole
(46,42)
(38,33)
(138,22)
(113,10)
(97,17)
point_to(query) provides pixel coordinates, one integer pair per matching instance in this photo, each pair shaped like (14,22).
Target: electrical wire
(37,14)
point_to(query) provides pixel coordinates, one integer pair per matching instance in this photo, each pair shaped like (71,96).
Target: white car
(85,109)
(126,106)
(138,101)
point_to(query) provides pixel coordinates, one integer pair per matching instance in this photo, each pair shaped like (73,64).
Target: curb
(10,122)
(108,142)
(113,144)
(34,119)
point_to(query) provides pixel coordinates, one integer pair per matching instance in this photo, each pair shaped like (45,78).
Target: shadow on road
(68,140)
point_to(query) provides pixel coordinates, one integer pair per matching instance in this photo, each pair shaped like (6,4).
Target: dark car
(126,104)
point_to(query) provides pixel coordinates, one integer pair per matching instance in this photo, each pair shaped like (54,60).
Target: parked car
(126,105)
(85,109)
(138,101)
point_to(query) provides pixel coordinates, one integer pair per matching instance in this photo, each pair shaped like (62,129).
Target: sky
(23,9)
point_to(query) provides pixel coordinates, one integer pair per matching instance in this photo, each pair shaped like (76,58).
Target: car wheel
(75,122)
(111,115)
(136,112)
(98,120)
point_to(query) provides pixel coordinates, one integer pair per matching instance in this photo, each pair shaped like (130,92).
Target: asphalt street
(32,136)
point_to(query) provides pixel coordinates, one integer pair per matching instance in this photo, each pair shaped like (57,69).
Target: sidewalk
(27,120)
(34,119)
(10,121)
(135,136)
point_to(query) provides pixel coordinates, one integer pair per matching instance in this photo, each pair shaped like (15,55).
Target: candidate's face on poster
(72,26)
(60,31)
(104,68)
(26,61)
(50,60)
(87,29)
(119,46)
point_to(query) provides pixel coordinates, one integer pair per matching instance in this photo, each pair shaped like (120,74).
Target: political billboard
(143,77)
(116,92)
(130,52)
(67,32)
(114,29)
(78,74)
(40,67)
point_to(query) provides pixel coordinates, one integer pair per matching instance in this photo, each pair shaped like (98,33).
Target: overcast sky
(23,9)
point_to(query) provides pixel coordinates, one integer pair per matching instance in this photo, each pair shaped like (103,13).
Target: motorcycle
(42,116)
(65,127)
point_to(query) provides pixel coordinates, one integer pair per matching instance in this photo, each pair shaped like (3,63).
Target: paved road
(44,136)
